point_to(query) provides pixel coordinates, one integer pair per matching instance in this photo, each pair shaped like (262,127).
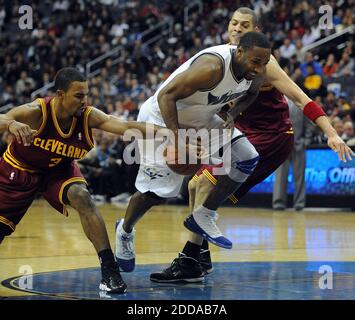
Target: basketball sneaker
(182,269)
(111,279)
(205,261)
(124,251)
(203,223)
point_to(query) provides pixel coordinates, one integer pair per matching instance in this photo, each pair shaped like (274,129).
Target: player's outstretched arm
(20,120)
(204,73)
(281,81)
(109,123)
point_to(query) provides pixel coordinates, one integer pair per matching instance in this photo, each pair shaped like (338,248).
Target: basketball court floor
(276,255)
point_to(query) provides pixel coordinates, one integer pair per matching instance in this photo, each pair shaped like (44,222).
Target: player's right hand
(338,145)
(22,132)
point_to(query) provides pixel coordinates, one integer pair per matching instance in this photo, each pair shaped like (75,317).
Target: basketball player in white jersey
(191,98)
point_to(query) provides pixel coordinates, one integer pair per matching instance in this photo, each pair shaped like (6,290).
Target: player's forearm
(311,110)
(282,82)
(296,94)
(148,130)
(4,123)
(301,100)
(323,123)
(167,105)
(118,126)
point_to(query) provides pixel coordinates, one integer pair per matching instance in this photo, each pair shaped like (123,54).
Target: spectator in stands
(342,102)
(24,84)
(128,103)
(288,49)
(119,110)
(330,103)
(309,36)
(298,51)
(310,60)
(337,19)
(330,66)
(8,96)
(107,173)
(348,19)
(346,66)
(298,78)
(312,82)
(338,125)
(349,47)
(348,131)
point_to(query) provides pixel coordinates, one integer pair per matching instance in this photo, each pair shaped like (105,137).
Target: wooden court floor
(46,241)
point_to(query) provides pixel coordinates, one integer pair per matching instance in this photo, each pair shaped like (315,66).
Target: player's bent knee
(79,197)
(244,160)
(147,199)
(204,184)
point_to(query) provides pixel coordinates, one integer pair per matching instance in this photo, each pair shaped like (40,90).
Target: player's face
(254,62)
(238,25)
(76,98)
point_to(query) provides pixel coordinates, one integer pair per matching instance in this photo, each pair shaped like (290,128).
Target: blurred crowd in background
(72,33)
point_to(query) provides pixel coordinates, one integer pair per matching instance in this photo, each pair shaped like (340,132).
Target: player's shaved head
(254,39)
(65,77)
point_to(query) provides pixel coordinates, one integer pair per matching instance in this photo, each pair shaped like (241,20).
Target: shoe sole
(191,225)
(103,287)
(208,271)
(192,280)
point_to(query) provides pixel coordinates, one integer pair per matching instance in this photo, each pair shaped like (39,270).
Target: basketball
(178,165)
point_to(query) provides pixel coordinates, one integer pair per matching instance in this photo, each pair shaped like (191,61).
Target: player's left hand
(338,145)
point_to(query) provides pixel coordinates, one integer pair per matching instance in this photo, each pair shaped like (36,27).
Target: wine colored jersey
(52,147)
(268,113)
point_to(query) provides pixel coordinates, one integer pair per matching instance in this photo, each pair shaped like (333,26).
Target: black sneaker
(205,261)
(182,269)
(111,279)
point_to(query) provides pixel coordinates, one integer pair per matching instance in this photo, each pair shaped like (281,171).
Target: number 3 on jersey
(54,162)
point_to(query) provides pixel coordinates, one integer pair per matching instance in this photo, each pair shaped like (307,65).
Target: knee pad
(243,159)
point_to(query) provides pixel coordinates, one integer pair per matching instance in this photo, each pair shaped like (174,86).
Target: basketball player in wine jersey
(48,136)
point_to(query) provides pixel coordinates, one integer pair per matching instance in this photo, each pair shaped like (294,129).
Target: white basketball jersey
(197,110)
